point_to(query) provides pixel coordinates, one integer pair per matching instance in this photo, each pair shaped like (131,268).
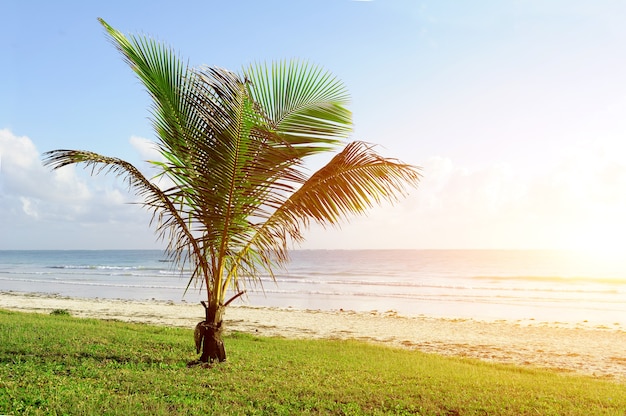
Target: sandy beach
(580,348)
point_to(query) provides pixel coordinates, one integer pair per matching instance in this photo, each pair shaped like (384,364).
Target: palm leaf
(167,80)
(171,226)
(304,104)
(354,180)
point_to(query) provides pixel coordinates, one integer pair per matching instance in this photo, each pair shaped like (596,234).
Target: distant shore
(583,349)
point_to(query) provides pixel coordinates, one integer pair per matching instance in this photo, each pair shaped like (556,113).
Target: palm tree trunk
(211,334)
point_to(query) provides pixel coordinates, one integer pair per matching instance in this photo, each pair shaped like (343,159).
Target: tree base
(209,339)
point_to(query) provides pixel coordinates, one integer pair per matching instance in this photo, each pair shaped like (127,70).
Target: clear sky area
(515,110)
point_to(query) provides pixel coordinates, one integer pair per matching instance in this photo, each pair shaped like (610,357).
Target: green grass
(59,365)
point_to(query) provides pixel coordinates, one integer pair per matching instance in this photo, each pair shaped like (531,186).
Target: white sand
(584,349)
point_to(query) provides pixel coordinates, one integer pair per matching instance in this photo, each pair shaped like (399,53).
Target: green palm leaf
(304,104)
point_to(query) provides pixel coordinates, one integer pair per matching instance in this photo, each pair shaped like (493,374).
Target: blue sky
(514,109)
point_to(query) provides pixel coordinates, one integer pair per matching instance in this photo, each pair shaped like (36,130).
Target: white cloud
(18,151)
(499,206)
(23,174)
(65,208)
(147,149)
(149,152)
(579,203)
(27,207)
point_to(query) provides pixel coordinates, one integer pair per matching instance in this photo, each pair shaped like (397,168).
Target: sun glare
(602,251)
(602,244)
(596,247)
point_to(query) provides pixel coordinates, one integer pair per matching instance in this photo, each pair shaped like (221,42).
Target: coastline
(584,349)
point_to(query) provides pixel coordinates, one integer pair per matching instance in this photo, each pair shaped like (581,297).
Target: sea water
(547,286)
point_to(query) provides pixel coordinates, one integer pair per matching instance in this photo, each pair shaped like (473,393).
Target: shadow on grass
(14,357)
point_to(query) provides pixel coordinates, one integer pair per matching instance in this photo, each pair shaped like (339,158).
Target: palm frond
(166,78)
(354,180)
(171,226)
(177,122)
(304,104)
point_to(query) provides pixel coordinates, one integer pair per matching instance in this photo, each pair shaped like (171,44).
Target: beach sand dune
(582,348)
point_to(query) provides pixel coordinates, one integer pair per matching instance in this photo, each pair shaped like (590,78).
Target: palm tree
(233,148)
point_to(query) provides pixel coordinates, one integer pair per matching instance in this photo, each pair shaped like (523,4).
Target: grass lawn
(59,365)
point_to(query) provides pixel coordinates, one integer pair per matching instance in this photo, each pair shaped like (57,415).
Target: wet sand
(580,348)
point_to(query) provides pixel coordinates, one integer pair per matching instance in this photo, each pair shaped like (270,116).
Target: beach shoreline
(582,348)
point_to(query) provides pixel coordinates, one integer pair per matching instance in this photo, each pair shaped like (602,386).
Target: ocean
(544,286)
